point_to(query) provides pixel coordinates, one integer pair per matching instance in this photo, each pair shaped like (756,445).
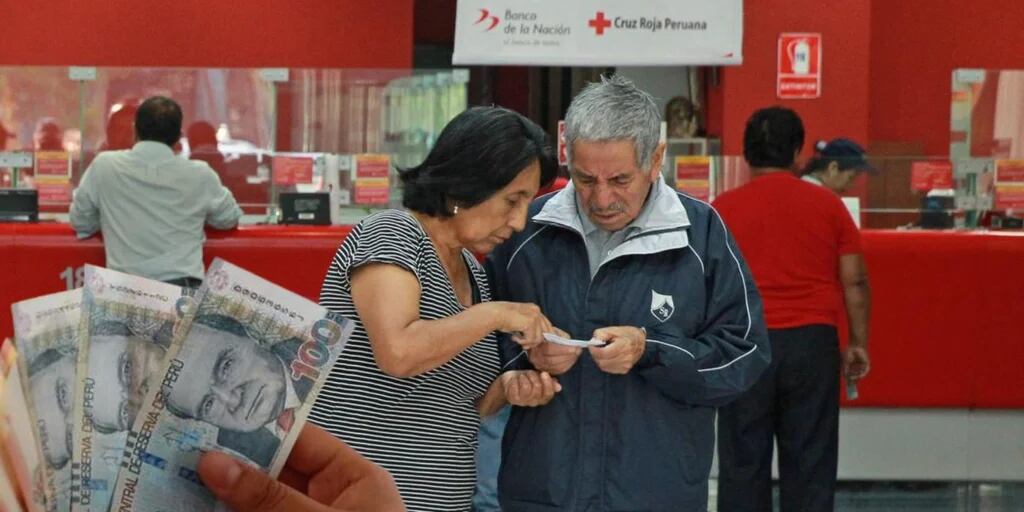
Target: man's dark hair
(773,137)
(159,120)
(478,153)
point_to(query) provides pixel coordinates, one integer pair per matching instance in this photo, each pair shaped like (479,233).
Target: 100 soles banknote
(46,335)
(240,377)
(127,326)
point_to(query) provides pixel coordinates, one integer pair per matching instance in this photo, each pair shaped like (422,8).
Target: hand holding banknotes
(322,474)
(525,322)
(625,347)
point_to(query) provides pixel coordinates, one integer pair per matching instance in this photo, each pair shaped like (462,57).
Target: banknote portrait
(239,384)
(51,376)
(121,365)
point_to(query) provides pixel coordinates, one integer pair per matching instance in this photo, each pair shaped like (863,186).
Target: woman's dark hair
(773,137)
(478,153)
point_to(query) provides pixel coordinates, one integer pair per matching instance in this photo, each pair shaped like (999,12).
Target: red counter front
(945,330)
(946,325)
(44,258)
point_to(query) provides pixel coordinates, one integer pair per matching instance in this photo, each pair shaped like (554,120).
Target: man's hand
(625,347)
(554,358)
(529,388)
(856,363)
(322,474)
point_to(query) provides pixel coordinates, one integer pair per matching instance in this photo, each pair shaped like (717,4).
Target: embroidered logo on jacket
(662,306)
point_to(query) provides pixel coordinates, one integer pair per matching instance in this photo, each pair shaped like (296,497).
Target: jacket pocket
(660,455)
(537,464)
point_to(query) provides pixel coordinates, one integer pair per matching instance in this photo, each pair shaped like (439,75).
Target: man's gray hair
(614,109)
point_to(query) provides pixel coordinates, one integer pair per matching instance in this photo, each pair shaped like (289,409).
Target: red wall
(434,21)
(842,109)
(915,46)
(209,33)
(887,64)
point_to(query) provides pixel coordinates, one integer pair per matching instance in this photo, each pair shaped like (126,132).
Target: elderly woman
(422,365)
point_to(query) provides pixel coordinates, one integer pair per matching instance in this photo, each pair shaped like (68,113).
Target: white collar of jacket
(663,225)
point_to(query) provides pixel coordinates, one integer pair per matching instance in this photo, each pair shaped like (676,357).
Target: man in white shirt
(150,204)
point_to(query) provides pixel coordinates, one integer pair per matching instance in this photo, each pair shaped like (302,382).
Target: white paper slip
(554,338)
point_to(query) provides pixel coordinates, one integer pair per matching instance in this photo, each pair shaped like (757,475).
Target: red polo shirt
(792,234)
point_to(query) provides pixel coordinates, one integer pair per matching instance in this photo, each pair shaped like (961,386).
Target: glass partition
(905,192)
(345,131)
(264,131)
(987,143)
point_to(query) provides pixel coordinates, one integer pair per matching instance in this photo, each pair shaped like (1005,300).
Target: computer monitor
(19,205)
(305,208)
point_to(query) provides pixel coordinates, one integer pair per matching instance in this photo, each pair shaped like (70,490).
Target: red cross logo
(599,23)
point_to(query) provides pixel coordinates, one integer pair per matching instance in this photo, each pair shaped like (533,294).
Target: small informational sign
(54,192)
(799,66)
(291,170)
(929,175)
(53,165)
(372,179)
(1009,185)
(16,159)
(693,176)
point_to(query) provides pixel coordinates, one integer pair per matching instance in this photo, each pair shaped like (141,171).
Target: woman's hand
(529,388)
(524,322)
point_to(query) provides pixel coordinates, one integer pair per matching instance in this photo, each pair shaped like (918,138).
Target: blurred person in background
(836,164)
(120,128)
(202,145)
(151,205)
(804,251)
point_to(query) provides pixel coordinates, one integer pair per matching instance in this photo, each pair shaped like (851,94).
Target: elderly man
(654,277)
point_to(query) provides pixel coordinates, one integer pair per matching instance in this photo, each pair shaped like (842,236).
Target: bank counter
(946,328)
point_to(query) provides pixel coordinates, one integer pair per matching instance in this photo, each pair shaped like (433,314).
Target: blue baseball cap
(845,152)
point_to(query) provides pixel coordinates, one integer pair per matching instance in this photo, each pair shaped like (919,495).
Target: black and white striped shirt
(422,429)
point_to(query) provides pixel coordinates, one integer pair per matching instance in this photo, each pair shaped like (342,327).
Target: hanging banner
(929,175)
(371,178)
(1009,185)
(799,66)
(599,32)
(693,176)
(291,170)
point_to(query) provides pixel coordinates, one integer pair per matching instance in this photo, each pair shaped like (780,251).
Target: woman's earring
(455,211)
